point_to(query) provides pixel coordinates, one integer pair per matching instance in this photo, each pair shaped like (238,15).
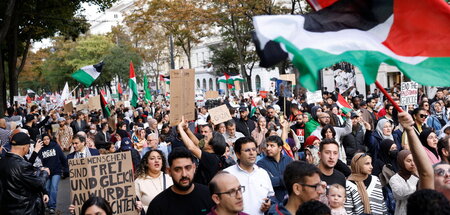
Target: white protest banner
(219,114)
(314,97)
(20,99)
(109,176)
(408,93)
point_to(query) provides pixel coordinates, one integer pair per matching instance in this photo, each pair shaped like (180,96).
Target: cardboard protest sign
(82,107)
(55,127)
(314,97)
(94,103)
(182,95)
(219,114)
(211,94)
(408,93)
(109,176)
(288,77)
(68,108)
(237,85)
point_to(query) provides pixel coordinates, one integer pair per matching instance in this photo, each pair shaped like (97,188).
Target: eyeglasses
(317,186)
(233,192)
(250,149)
(441,172)
(324,117)
(423,115)
(363,155)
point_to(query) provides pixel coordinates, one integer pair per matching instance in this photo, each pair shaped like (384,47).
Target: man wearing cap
(81,151)
(23,185)
(354,141)
(244,124)
(64,134)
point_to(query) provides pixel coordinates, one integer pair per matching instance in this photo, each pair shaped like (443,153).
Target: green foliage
(117,62)
(224,59)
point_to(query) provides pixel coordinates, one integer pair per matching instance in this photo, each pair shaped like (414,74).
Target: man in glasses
(303,184)
(227,193)
(255,179)
(442,178)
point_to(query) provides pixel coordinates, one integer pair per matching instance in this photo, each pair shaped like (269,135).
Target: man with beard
(299,128)
(354,142)
(274,163)
(271,116)
(244,124)
(184,196)
(33,127)
(329,153)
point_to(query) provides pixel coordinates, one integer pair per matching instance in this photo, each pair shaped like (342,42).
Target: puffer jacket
(22,185)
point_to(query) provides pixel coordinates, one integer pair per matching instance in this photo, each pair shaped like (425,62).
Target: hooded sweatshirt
(53,157)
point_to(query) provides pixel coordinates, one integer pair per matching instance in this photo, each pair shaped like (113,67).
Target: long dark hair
(142,169)
(99,202)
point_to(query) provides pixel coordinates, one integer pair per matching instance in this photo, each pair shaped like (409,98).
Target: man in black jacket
(244,124)
(23,185)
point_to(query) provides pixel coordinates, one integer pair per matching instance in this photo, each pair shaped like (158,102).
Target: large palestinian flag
(412,35)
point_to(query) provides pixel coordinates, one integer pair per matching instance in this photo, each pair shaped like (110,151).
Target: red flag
(119,88)
(228,77)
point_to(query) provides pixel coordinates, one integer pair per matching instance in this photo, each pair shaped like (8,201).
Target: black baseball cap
(20,139)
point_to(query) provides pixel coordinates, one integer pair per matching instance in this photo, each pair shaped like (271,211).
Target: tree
(186,20)
(25,21)
(224,59)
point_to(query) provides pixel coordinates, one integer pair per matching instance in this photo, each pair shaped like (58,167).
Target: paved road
(63,200)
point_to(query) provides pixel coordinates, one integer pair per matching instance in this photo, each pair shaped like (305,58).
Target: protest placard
(109,176)
(94,103)
(288,77)
(263,94)
(408,93)
(211,94)
(314,97)
(182,95)
(237,85)
(82,107)
(219,114)
(68,108)
(20,99)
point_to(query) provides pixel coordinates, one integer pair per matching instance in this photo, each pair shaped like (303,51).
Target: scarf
(423,139)
(380,126)
(358,177)
(402,171)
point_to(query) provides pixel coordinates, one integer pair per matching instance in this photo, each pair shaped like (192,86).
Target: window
(211,84)
(258,82)
(198,83)
(204,84)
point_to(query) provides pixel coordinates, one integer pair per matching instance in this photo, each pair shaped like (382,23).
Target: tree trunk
(247,85)
(12,62)
(2,85)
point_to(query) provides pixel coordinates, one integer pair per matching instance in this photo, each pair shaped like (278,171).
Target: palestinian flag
(103,104)
(88,74)
(412,35)
(227,80)
(237,78)
(345,107)
(148,94)
(320,4)
(133,87)
(165,78)
(119,91)
(253,111)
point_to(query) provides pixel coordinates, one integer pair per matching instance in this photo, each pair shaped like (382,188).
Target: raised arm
(191,135)
(423,163)
(186,140)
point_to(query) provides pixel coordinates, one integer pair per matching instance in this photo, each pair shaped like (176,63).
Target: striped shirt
(354,205)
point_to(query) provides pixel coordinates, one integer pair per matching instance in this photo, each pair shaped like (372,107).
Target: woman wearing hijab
(404,182)
(312,123)
(364,194)
(429,141)
(387,158)
(438,118)
(312,145)
(383,131)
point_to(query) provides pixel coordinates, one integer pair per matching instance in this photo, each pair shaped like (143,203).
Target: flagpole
(74,89)
(385,93)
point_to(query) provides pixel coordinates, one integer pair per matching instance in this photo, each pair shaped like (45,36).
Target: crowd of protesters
(276,155)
